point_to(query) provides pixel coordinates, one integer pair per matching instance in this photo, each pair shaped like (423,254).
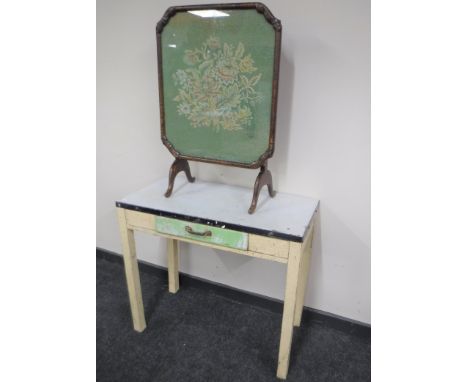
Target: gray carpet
(209,333)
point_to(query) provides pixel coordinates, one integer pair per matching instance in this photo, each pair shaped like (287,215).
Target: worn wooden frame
(180,163)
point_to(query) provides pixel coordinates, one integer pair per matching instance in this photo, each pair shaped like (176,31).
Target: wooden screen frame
(276,24)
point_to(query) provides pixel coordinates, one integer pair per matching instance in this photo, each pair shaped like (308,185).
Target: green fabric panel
(218,74)
(219,236)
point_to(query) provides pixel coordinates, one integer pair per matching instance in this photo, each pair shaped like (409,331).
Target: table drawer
(202,232)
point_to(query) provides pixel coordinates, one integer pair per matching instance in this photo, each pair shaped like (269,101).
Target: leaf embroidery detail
(217,88)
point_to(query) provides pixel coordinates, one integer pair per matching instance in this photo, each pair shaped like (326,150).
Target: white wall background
(322,144)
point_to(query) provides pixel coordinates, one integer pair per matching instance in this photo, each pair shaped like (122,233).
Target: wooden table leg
(173,264)
(131,272)
(292,278)
(303,275)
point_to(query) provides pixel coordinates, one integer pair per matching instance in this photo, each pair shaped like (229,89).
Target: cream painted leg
(303,275)
(131,272)
(173,264)
(288,310)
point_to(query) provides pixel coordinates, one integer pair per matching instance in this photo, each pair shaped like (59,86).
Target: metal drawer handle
(190,230)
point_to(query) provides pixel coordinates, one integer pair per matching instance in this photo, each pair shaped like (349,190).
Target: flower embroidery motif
(218,88)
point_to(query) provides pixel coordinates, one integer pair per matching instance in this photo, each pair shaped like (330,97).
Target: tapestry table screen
(218,73)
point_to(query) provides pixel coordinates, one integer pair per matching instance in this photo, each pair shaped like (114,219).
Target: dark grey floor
(200,334)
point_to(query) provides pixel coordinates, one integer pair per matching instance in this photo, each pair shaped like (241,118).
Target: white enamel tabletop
(285,214)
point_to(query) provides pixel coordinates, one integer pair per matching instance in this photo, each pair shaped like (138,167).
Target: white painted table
(215,215)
